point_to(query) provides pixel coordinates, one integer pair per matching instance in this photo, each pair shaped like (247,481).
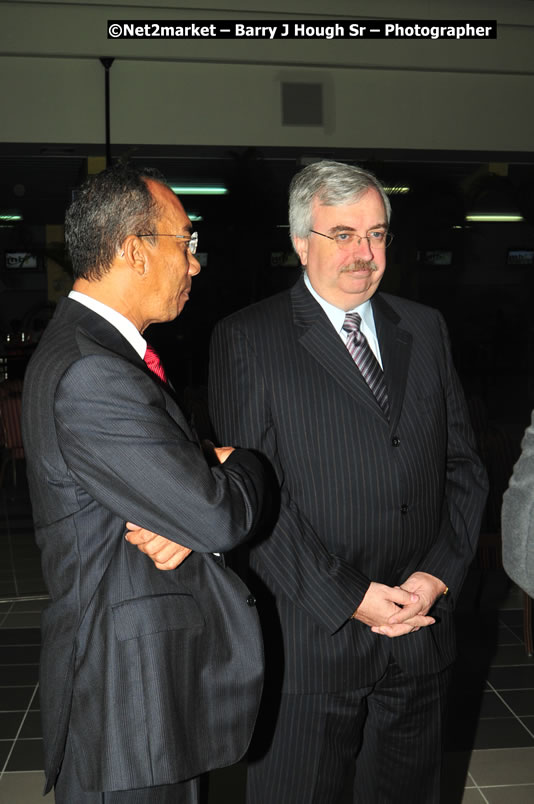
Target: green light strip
(198,189)
(494,217)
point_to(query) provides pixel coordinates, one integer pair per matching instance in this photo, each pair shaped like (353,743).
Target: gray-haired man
(352,396)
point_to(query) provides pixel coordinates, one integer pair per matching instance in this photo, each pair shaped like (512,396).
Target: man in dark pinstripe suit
(379,508)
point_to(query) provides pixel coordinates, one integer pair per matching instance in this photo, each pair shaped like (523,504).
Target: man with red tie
(148,678)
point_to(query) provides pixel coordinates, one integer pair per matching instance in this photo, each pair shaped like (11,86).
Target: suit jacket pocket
(150,615)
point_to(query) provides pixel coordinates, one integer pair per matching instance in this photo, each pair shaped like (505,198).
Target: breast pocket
(150,615)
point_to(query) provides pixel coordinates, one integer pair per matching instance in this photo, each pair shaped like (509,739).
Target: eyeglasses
(192,241)
(375,239)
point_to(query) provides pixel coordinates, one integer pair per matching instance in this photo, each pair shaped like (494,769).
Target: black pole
(106,64)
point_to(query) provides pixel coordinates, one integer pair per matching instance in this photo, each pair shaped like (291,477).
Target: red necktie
(154,363)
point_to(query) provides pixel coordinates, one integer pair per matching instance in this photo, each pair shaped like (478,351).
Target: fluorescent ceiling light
(10,217)
(199,189)
(397,190)
(193,217)
(494,217)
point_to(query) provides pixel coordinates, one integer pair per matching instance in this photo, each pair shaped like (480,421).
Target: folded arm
(124,449)
(166,554)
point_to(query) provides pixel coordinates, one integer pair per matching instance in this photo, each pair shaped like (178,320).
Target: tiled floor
(490,736)
(21,777)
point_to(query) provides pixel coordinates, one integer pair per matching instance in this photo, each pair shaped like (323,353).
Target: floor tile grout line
(506,786)
(24,598)
(477,787)
(6,615)
(13,712)
(511,710)
(505,748)
(510,689)
(516,644)
(505,625)
(10,752)
(16,686)
(21,627)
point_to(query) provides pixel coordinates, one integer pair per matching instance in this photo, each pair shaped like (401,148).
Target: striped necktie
(363,356)
(154,363)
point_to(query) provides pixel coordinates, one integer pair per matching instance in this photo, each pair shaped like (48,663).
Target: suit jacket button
(251,600)
(404,508)
(395,441)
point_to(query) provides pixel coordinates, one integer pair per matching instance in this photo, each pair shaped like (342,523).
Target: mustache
(359,265)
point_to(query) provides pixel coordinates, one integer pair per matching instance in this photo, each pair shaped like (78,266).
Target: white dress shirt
(117,320)
(337,317)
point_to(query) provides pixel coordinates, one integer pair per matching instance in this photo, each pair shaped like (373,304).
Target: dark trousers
(68,791)
(388,734)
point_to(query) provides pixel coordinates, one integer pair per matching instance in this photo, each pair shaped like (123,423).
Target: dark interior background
(466,270)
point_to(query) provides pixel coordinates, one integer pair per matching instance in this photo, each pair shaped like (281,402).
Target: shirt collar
(336,315)
(117,320)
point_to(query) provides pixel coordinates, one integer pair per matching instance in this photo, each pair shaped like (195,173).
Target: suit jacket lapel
(395,349)
(318,337)
(96,334)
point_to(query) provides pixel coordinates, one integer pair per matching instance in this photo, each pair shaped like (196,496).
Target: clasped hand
(165,554)
(399,610)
